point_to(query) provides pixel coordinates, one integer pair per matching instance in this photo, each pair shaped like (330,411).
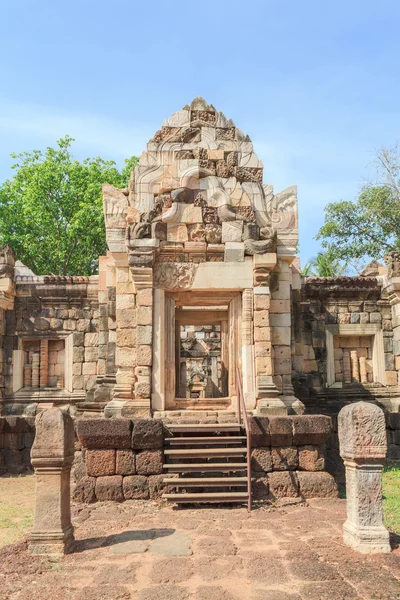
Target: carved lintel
(170,276)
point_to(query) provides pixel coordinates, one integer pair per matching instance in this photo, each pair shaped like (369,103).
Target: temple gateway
(200,283)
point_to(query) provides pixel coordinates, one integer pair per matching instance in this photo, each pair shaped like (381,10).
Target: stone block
(91,339)
(126,318)
(78,338)
(391,377)
(311,458)
(375,317)
(234,252)
(144,315)
(91,355)
(280,429)
(125,301)
(156,486)
(135,488)
(142,389)
(262,302)
(125,357)
(283,366)
(262,334)
(109,488)
(263,349)
(280,320)
(280,336)
(147,434)
(261,460)
(285,458)
(125,463)
(145,297)
(100,462)
(144,355)
(264,365)
(394,420)
(89,368)
(310,429)
(232,231)
(283,484)
(280,306)
(389,361)
(177,232)
(261,318)
(191,214)
(197,232)
(78,354)
(149,462)
(144,334)
(317,485)
(126,337)
(85,490)
(259,430)
(104,433)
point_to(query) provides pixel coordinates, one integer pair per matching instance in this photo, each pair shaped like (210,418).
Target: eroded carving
(170,276)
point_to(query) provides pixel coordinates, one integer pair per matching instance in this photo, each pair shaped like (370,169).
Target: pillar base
(139,409)
(366,540)
(271,407)
(294,405)
(52,544)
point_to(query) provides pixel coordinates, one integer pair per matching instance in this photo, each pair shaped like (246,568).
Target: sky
(314,83)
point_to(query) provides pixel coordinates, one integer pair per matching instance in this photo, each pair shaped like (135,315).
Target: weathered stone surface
(317,485)
(260,433)
(109,488)
(280,429)
(310,429)
(156,486)
(147,434)
(100,462)
(260,488)
(135,487)
(149,462)
(104,433)
(125,462)
(85,490)
(362,439)
(283,484)
(285,458)
(261,460)
(311,458)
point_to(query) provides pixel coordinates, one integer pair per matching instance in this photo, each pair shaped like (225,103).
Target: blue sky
(315,84)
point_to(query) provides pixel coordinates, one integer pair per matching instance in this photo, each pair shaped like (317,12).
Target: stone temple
(200,282)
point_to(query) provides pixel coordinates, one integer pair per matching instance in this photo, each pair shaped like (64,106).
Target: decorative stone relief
(170,276)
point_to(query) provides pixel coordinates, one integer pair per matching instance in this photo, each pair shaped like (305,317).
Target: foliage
(325,264)
(369,226)
(51,210)
(391,498)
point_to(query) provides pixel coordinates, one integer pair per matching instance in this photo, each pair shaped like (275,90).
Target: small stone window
(353,359)
(44,363)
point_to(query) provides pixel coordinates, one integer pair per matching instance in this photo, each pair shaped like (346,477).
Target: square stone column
(362,439)
(52,455)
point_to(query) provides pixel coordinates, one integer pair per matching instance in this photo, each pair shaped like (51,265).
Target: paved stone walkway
(144,551)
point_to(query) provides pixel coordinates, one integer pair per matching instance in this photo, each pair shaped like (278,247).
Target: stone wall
(16,439)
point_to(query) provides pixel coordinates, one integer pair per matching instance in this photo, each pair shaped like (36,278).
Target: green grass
(391,498)
(16,508)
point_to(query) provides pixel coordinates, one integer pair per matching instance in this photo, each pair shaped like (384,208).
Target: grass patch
(16,508)
(391,498)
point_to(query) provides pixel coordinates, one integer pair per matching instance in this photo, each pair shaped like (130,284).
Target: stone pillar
(52,455)
(248,349)
(363,370)
(281,333)
(346,366)
(7,295)
(35,370)
(44,363)
(362,440)
(355,372)
(268,401)
(392,288)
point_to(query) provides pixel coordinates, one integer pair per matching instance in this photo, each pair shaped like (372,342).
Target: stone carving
(170,276)
(213,233)
(136,231)
(392,261)
(261,277)
(362,439)
(226,213)
(52,455)
(7,261)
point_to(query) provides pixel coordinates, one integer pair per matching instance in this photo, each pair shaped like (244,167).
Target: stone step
(207,497)
(206,452)
(205,481)
(205,467)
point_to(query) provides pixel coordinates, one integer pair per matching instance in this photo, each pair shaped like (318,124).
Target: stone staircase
(209,461)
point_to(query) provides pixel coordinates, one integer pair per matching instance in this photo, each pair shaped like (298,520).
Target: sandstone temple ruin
(200,282)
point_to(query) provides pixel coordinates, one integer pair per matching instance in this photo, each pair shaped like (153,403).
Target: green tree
(370,225)
(325,264)
(51,210)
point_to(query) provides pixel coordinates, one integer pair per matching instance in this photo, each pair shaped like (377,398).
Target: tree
(51,210)
(325,264)
(369,226)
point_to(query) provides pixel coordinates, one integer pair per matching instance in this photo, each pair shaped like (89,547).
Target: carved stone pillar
(44,363)
(7,295)
(248,349)
(362,439)
(346,366)
(52,455)
(281,334)
(35,370)
(363,370)
(355,371)
(392,261)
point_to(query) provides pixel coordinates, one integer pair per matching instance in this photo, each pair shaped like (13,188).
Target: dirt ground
(142,550)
